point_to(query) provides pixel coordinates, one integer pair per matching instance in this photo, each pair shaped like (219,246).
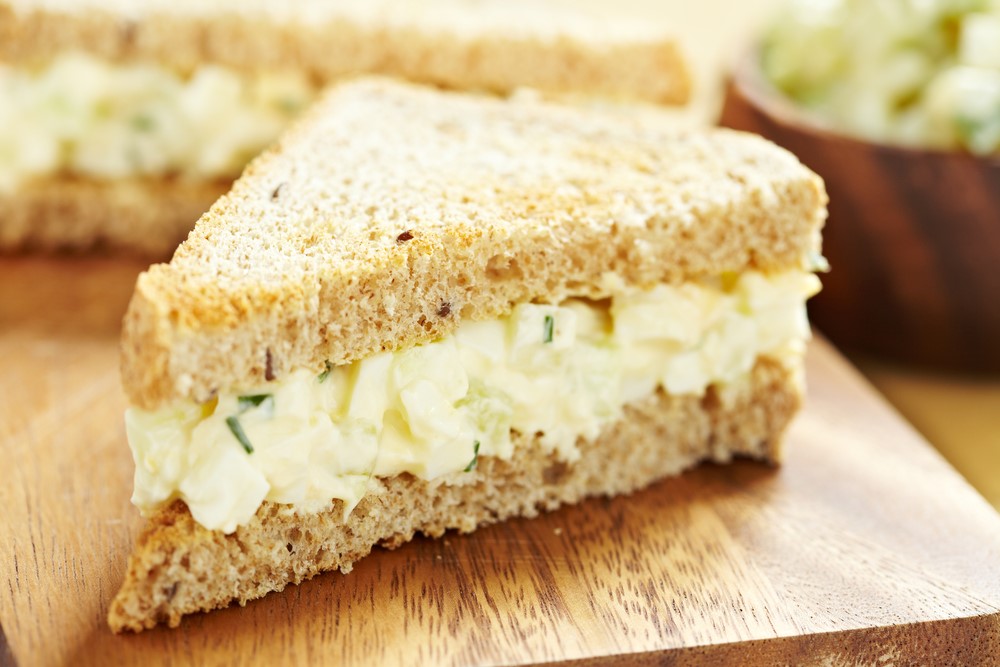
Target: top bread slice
(490,45)
(391,212)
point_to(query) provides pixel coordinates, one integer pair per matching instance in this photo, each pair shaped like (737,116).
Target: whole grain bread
(179,567)
(146,217)
(492,45)
(392,212)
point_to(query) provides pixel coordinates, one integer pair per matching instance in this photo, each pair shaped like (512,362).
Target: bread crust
(179,567)
(147,217)
(393,212)
(496,46)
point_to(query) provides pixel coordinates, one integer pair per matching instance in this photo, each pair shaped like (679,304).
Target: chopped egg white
(561,372)
(85,116)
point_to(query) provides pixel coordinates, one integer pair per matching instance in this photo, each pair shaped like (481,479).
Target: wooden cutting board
(864,548)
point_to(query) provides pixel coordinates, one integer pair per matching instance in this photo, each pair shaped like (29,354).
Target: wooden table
(864,544)
(960,415)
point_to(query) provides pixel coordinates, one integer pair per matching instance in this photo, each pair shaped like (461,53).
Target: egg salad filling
(561,372)
(84,116)
(914,73)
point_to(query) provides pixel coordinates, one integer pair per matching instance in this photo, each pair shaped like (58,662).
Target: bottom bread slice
(179,567)
(149,217)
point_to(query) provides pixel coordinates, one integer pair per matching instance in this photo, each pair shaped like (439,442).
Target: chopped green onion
(234,425)
(143,123)
(321,378)
(550,325)
(966,127)
(475,458)
(252,401)
(289,105)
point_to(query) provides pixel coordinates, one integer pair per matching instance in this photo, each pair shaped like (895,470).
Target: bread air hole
(500,268)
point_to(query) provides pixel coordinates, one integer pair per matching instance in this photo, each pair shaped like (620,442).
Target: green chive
(550,325)
(289,105)
(321,378)
(252,401)
(143,123)
(234,425)
(966,127)
(475,458)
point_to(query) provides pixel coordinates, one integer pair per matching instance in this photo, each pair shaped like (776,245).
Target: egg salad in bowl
(917,73)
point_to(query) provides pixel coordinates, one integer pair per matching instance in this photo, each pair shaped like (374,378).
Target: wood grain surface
(864,547)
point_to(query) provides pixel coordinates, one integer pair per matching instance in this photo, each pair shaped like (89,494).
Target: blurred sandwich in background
(123,121)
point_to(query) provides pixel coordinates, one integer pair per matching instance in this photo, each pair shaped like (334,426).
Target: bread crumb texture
(146,217)
(488,45)
(391,212)
(179,567)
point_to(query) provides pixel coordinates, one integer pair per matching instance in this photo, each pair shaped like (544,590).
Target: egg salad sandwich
(122,121)
(424,311)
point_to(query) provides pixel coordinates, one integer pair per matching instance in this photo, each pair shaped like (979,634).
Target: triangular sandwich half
(426,310)
(121,122)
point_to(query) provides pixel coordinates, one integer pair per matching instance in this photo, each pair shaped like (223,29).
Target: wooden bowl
(913,237)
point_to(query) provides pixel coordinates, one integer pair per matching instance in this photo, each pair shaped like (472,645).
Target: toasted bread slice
(389,217)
